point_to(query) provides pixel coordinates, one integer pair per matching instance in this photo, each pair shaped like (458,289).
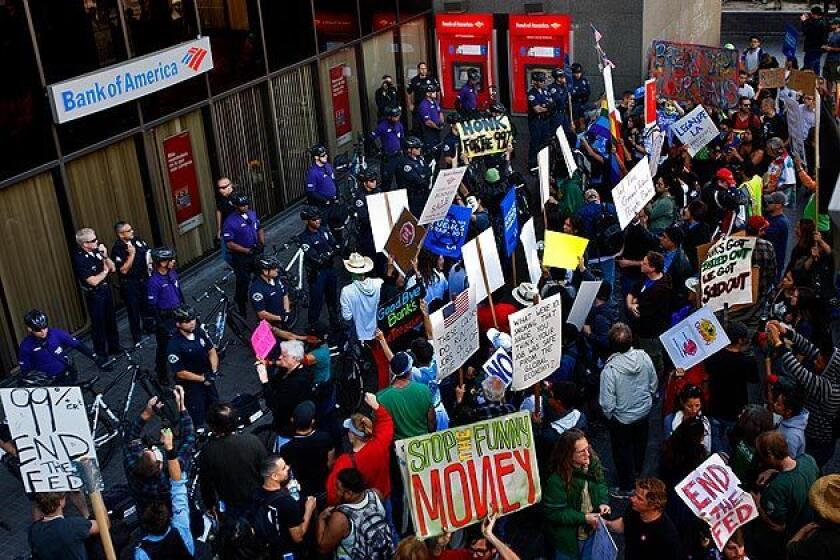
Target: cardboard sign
(725,274)
(384,210)
(537,342)
(563,250)
(446,237)
(455,332)
(566,150)
(51,432)
(262,340)
(695,130)
(543,161)
(770,78)
(804,81)
(490,262)
(485,136)
(454,478)
(650,103)
(440,198)
(713,493)
(656,141)
(511,221)
(528,238)
(698,73)
(500,364)
(400,315)
(694,339)
(405,240)
(583,302)
(633,192)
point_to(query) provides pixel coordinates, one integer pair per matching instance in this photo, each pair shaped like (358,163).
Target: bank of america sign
(112,86)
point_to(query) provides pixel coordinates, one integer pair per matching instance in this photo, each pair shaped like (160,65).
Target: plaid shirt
(465,414)
(764,257)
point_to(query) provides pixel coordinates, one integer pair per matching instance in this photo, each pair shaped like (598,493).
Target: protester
(819,539)
(56,536)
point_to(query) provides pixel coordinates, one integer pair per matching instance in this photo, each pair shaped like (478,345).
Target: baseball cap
(777,197)
(725,174)
(401,364)
(351,427)
(756,224)
(499,339)
(303,414)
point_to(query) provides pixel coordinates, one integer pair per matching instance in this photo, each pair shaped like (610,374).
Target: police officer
(163,295)
(559,92)
(92,267)
(385,97)
(368,179)
(245,240)
(130,255)
(321,190)
(451,142)
(417,92)
(319,248)
(270,298)
(45,350)
(468,95)
(414,175)
(579,90)
(540,107)
(431,117)
(390,133)
(194,362)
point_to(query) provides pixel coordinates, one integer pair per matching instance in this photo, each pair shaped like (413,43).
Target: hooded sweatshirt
(793,429)
(628,383)
(359,302)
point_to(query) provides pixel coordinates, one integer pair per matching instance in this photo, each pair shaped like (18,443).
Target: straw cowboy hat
(525,293)
(357,264)
(824,497)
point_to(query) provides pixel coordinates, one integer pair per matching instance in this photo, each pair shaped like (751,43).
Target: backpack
(261,517)
(374,540)
(608,234)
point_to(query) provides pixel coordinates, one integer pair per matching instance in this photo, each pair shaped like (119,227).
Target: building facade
(286,74)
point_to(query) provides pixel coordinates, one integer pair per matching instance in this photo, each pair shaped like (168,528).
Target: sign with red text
(713,493)
(183,182)
(456,477)
(726,273)
(340,95)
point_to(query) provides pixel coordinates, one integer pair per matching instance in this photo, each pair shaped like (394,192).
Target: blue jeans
(812,61)
(323,285)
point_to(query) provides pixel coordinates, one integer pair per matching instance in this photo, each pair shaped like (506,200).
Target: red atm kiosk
(537,42)
(464,42)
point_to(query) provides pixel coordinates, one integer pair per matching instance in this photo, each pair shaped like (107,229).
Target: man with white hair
(92,267)
(490,403)
(289,386)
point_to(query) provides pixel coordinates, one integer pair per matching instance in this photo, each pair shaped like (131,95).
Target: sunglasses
(229,185)
(94,240)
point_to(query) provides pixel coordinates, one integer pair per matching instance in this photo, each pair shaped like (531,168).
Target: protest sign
(443,191)
(262,340)
(529,245)
(566,150)
(770,78)
(694,339)
(633,192)
(696,129)
(384,210)
(456,477)
(485,265)
(650,103)
(455,332)
(485,136)
(713,493)
(583,302)
(400,315)
(797,129)
(544,174)
(804,81)
(405,240)
(509,214)
(697,73)
(500,364)
(725,273)
(536,332)
(563,250)
(446,237)
(50,429)
(657,139)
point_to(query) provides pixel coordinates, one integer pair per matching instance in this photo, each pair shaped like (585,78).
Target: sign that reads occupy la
(112,86)
(726,273)
(456,477)
(481,137)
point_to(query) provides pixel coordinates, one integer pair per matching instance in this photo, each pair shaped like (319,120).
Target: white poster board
(633,192)
(455,332)
(695,130)
(583,302)
(500,364)
(51,432)
(440,198)
(656,140)
(543,161)
(694,339)
(536,332)
(529,244)
(378,211)
(492,265)
(796,125)
(566,150)
(726,273)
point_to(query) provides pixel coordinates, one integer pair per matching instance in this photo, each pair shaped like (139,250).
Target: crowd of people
(326,480)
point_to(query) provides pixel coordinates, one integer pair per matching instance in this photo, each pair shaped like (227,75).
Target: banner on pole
(440,198)
(544,174)
(633,192)
(770,78)
(650,103)
(566,150)
(695,130)
(455,332)
(405,240)
(509,214)
(446,237)
(694,339)
(726,273)
(656,142)
(485,136)
(537,333)
(697,73)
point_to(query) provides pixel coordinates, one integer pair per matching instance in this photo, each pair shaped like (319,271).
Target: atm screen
(460,71)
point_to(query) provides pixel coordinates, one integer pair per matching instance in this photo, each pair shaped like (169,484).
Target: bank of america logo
(194,57)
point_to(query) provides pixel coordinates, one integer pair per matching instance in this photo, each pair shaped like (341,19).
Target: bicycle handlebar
(214,286)
(127,353)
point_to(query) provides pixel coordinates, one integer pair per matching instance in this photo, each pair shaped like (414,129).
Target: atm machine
(537,42)
(465,42)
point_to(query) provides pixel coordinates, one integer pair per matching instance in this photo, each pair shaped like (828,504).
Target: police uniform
(319,247)
(417,90)
(364,236)
(242,229)
(192,354)
(133,283)
(100,302)
(429,111)
(163,295)
(390,136)
(267,296)
(539,124)
(415,176)
(449,146)
(50,355)
(468,100)
(560,96)
(579,91)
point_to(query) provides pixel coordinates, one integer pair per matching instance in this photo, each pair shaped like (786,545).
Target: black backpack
(608,234)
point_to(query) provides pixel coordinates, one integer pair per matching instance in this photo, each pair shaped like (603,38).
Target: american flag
(456,308)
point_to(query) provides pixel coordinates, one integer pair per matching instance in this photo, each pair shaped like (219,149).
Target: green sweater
(561,505)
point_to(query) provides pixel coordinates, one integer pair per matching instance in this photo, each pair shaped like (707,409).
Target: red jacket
(373,460)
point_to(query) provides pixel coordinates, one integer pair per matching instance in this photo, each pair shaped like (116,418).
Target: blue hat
(401,364)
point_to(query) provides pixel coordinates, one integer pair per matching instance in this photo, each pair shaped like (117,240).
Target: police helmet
(268,263)
(413,142)
(473,74)
(310,213)
(184,313)
(35,319)
(431,86)
(454,118)
(318,150)
(538,76)
(393,111)
(368,174)
(498,107)
(241,200)
(557,73)
(160,254)
(577,68)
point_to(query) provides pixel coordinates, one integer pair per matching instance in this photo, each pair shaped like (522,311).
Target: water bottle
(289,556)
(294,489)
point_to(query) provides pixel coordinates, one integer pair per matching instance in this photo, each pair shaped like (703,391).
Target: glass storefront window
(288,44)
(158,24)
(234,31)
(410,8)
(380,60)
(377,14)
(413,46)
(339,85)
(25,139)
(336,23)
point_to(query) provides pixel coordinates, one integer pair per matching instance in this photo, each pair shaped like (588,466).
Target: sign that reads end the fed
(112,86)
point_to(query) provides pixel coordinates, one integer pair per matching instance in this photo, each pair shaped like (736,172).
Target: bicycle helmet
(453,118)
(310,213)
(393,111)
(557,73)
(497,107)
(431,86)
(368,174)
(241,200)
(318,150)
(268,263)
(36,320)
(184,313)
(160,254)
(413,142)
(538,76)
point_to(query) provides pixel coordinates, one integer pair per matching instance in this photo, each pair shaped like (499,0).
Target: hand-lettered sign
(400,315)
(696,129)
(694,339)
(443,191)
(262,340)
(725,274)
(698,73)
(537,340)
(405,240)
(633,192)
(455,332)
(485,136)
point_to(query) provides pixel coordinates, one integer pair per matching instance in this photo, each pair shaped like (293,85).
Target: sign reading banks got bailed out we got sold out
(481,137)
(456,477)
(726,273)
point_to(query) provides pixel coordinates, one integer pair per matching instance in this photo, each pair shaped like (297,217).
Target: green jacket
(561,505)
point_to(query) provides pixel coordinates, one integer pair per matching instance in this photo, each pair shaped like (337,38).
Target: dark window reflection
(173,98)
(289,31)
(157,24)
(409,8)
(377,14)
(336,23)
(25,139)
(234,31)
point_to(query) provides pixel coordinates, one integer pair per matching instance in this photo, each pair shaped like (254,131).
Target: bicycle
(223,315)
(292,277)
